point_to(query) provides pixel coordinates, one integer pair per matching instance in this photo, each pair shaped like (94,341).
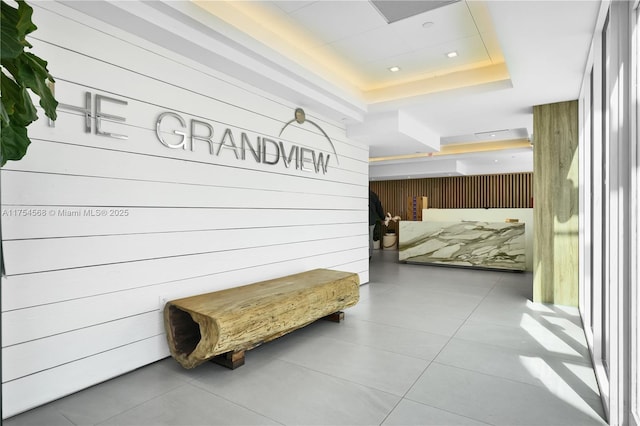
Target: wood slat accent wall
(513,190)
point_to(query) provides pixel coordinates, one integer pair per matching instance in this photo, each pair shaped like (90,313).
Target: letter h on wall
(98,115)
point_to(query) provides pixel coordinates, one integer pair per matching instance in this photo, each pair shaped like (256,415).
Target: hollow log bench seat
(222,325)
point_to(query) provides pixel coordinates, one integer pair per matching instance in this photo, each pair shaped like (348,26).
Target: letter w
(320,163)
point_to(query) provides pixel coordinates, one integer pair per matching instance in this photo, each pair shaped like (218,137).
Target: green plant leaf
(17,113)
(10,41)
(25,113)
(4,115)
(14,143)
(17,102)
(16,24)
(33,74)
(21,73)
(11,65)
(25,24)
(10,93)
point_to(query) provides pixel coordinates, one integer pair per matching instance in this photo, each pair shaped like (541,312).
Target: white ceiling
(333,57)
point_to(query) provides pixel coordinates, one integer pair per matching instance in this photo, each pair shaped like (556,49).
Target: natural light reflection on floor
(566,370)
(538,307)
(552,338)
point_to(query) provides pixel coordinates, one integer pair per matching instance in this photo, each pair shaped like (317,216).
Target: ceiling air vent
(395,10)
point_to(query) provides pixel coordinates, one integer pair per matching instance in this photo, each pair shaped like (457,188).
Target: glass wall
(635,248)
(610,188)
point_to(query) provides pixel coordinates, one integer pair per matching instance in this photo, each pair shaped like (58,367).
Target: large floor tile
(412,318)
(431,301)
(450,280)
(376,368)
(498,401)
(565,379)
(518,285)
(47,415)
(497,310)
(107,399)
(188,405)
(410,413)
(531,336)
(510,310)
(387,270)
(425,345)
(295,395)
(399,340)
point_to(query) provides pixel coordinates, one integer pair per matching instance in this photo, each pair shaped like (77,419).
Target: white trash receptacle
(389,241)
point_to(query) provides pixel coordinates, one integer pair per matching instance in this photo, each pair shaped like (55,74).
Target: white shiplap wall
(83,296)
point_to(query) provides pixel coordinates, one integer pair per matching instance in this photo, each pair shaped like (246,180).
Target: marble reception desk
(489,245)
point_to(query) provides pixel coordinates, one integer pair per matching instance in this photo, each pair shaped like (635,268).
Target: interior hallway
(424,346)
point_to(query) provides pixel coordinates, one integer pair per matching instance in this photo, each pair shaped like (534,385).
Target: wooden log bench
(222,325)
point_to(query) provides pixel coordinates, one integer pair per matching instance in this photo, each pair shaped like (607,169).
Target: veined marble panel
(495,245)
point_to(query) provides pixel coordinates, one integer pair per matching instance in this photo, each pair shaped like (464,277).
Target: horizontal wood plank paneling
(27,189)
(513,190)
(20,360)
(172,277)
(78,221)
(28,256)
(88,161)
(87,288)
(27,324)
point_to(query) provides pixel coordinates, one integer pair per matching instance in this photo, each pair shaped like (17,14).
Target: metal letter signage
(300,117)
(98,116)
(183,135)
(174,132)
(262,149)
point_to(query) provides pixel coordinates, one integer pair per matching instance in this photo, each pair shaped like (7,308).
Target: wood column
(555,203)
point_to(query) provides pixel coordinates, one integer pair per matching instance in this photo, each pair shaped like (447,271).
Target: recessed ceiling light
(452,54)
(428,24)
(394,69)
(495,161)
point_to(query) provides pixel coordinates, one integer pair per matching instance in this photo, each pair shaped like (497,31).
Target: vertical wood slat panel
(511,190)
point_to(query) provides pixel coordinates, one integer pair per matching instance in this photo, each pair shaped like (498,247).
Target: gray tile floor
(424,346)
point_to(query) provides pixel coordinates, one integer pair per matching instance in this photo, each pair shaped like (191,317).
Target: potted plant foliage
(22,73)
